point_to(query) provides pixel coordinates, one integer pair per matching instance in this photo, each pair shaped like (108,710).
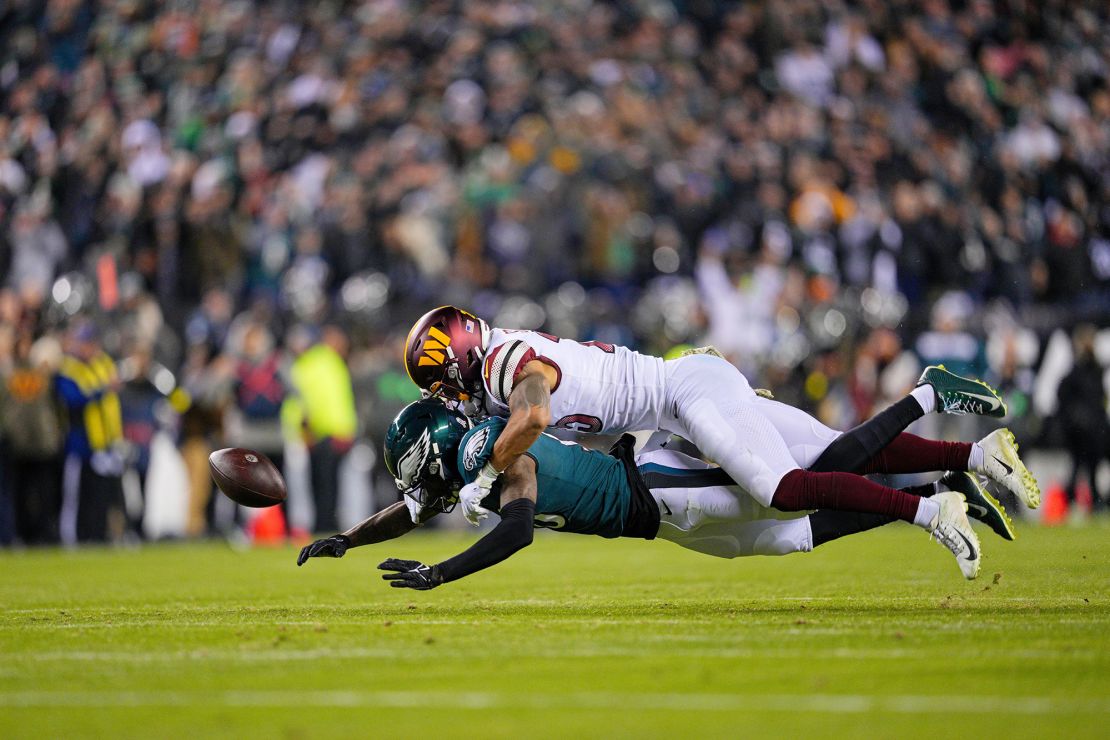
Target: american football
(247,477)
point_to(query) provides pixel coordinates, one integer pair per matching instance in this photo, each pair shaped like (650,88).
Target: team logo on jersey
(474,447)
(434,351)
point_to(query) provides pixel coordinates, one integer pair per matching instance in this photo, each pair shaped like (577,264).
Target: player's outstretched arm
(512,533)
(529,415)
(389,523)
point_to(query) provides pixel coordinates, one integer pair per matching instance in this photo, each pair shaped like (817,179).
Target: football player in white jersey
(432,451)
(539,380)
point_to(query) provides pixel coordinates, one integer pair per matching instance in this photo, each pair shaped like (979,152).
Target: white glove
(470,498)
(472,494)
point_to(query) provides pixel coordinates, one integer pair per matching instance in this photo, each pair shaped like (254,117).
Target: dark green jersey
(577,490)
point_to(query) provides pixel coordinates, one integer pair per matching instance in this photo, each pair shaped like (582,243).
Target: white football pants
(717,520)
(757,440)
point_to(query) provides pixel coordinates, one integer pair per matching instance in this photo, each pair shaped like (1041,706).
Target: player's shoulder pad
(504,363)
(477,447)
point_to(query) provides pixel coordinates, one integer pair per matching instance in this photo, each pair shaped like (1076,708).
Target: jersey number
(603,346)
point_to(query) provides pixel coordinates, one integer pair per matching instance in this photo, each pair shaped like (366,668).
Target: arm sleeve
(512,533)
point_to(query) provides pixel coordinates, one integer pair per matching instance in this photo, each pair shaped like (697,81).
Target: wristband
(486,476)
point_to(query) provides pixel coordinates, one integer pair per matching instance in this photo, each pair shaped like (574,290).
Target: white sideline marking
(683,702)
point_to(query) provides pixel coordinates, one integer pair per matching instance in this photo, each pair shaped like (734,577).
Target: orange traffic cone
(1054,510)
(268,528)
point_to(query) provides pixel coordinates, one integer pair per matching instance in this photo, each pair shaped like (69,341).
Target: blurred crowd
(204,204)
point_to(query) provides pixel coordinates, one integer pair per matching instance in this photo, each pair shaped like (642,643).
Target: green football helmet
(421,450)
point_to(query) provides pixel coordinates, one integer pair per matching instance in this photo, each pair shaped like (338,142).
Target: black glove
(332,547)
(411,574)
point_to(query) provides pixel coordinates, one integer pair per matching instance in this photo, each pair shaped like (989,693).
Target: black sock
(829,525)
(855,447)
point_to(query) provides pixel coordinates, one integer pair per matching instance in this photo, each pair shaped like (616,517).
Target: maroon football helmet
(444,353)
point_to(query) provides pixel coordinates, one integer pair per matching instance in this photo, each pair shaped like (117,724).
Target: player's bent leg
(878,445)
(744,538)
(908,453)
(851,451)
(939,514)
(700,509)
(832,525)
(802,489)
(805,437)
(713,407)
(690,492)
(745,445)
(719,520)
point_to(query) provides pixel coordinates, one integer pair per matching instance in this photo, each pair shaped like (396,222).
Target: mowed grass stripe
(452,653)
(846,601)
(677,701)
(990,621)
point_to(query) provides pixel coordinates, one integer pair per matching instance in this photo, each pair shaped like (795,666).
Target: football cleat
(959,395)
(1002,465)
(980,504)
(952,529)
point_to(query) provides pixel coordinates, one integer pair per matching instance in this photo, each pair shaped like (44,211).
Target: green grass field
(877,636)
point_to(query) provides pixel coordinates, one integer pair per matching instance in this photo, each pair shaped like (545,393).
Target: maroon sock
(802,489)
(909,453)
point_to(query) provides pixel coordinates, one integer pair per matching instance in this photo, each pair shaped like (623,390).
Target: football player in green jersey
(432,453)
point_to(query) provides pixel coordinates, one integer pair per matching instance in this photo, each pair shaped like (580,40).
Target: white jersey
(599,387)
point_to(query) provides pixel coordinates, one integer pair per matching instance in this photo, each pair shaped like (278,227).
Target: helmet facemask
(422,477)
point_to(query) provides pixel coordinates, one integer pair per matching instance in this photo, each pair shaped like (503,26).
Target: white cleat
(953,530)
(1002,465)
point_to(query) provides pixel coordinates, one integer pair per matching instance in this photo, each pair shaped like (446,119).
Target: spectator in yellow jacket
(92,494)
(322,408)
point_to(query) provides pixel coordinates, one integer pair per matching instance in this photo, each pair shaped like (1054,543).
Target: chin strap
(414,507)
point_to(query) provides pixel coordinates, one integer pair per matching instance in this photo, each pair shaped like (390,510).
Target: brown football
(247,477)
